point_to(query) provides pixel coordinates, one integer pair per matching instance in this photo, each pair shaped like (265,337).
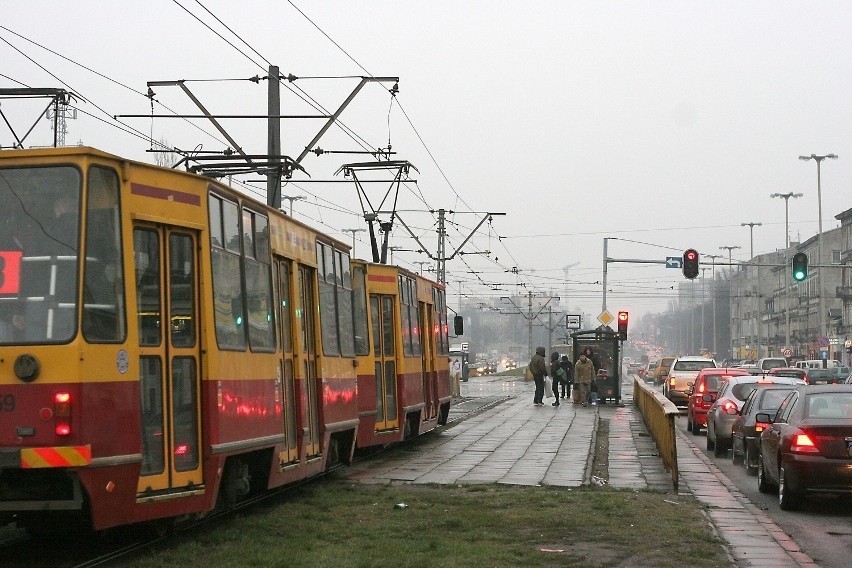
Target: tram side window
(328,300)
(441,331)
(359,311)
(410,320)
(103,287)
(261,326)
(225,262)
(344,304)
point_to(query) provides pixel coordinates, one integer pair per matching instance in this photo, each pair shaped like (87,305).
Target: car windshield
(791,374)
(742,390)
(692,365)
(830,405)
(39,224)
(773,363)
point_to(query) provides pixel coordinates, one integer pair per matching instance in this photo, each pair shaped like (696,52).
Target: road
(823,527)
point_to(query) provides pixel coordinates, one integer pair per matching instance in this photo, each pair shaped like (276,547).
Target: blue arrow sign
(674,262)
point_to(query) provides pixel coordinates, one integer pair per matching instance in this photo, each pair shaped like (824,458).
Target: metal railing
(659,415)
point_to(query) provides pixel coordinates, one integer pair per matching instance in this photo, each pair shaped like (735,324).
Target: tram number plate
(7,402)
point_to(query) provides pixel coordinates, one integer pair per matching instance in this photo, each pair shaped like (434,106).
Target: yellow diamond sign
(606,317)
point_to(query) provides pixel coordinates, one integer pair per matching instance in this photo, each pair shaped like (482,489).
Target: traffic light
(690,263)
(800,266)
(622,326)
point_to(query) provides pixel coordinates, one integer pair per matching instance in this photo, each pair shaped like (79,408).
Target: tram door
(430,383)
(309,359)
(167,321)
(381,314)
(286,370)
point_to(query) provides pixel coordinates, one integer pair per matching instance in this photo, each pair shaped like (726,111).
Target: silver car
(732,395)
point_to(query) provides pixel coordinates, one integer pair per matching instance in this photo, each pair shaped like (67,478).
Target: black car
(808,447)
(745,433)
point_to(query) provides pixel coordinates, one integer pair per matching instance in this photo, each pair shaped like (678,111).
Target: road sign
(606,317)
(787,352)
(823,341)
(572,321)
(674,262)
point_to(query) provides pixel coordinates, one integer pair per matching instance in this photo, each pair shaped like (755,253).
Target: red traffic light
(690,263)
(622,325)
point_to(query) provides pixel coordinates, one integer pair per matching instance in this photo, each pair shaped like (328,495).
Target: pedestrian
(538,368)
(557,373)
(584,374)
(568,378)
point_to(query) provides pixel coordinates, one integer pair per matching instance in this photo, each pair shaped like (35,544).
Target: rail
(659,415)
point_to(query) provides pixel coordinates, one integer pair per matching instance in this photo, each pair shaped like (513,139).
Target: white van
(817,364)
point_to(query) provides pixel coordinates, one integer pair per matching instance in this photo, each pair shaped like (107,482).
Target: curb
(590,457)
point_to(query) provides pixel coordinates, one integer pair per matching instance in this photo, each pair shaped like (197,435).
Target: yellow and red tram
(168,345)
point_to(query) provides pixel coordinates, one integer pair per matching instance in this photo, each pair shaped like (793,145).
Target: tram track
(117,547)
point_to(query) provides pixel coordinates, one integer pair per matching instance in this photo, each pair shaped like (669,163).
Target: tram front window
(39,240)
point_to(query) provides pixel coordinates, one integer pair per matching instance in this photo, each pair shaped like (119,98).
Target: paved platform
(496,435)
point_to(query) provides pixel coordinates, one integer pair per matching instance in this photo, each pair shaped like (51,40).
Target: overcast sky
(663,124)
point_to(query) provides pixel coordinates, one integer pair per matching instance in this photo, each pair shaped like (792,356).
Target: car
(820,377)
(745,433)
(650,369)
(807,448)
(793,372)
(841,374)
(818,364)
(723,412)
(681,376)
(767,363)
(661,371)
(703,393)
(752,369)
(479,369)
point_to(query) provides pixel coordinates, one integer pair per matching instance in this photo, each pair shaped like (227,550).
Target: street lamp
(713,258)
(751,227)
(291,199)
(786,197)
(818,159)
(731,291)
(353,231)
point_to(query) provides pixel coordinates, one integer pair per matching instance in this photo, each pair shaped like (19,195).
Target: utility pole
(731,293)
(713,258)
(757,342)
(273,144)
(353,231)
(291,199)
(529,316)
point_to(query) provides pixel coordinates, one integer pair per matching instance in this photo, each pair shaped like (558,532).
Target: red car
(704,392)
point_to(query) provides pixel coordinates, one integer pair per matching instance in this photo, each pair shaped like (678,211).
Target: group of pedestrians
(571,381)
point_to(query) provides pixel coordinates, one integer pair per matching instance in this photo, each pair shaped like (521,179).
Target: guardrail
(659,415)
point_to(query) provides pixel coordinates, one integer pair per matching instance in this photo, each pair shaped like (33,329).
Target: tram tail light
(62,413)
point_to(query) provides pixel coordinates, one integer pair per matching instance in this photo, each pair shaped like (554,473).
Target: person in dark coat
(557,374)
(568,377)
(538,368)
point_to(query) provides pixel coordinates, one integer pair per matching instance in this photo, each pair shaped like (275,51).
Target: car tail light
(62,413)
(760,426)
(672,382)
(802,444)
(701,387)
(729,407)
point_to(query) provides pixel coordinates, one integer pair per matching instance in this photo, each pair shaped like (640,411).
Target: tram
(169,346)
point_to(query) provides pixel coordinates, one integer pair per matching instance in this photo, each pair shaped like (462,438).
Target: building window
(835,257)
